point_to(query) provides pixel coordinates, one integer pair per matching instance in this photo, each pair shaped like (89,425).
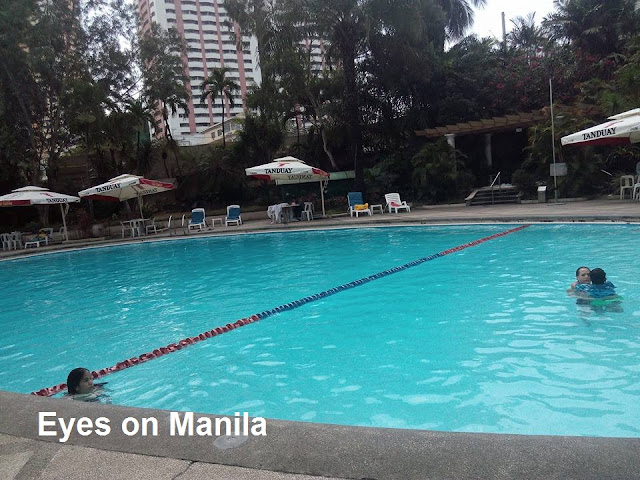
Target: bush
(526,182)
(438,175)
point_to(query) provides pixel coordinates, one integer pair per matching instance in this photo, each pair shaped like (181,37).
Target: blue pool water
(481,340)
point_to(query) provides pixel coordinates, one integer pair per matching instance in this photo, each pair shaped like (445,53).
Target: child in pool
(600,287)
(583,277)
(80,386)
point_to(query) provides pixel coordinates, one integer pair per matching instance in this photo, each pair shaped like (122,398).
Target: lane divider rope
(173,347)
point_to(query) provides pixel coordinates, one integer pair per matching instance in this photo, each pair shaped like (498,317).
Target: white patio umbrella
(30,195)
(125,187)
(287,170)
(622,129)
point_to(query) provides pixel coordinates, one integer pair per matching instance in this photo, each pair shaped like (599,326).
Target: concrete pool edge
(343,451)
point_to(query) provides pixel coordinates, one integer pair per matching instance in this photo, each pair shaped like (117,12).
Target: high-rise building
(210,39)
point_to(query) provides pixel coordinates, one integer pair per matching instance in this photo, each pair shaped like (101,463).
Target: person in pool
(583,277)
(600,287)
(80,386)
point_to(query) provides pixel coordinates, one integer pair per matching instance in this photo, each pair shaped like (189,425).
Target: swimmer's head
(79,381)
(583,275)
(598,276)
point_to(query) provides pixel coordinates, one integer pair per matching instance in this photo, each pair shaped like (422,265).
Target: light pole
(553,145)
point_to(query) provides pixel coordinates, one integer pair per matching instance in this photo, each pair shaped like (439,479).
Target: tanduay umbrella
(621,129)
(30,195)
(125,187)
(287,170)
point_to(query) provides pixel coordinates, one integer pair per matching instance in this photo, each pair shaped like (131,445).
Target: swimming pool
(482,340)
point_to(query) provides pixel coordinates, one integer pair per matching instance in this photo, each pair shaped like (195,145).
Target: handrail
(491,186)
(495,178)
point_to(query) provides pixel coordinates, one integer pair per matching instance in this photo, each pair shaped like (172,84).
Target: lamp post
(553,145)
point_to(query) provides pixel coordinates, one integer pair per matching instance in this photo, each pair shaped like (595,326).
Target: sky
(488,20)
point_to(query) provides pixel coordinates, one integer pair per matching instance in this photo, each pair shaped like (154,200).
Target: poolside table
(137,226)
(377,206)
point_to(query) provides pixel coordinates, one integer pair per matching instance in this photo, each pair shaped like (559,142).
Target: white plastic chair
(128,227)
(233,216)
(394,203)
(155,228)
(636,189)
(308,211)
(626,183)
(8,243)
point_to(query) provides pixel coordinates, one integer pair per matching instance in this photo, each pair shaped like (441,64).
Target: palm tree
(526,35)
(350,24)
(349,27)
(141,115)
(161,53)
(593,26)
(217,85)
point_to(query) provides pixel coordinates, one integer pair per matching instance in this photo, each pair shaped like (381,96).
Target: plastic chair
(355,199)
(308,211)
(153,226)
(198,221)
(394,203)
(129,226)
(233,215)
(636,189)
(626,183)
(8,242)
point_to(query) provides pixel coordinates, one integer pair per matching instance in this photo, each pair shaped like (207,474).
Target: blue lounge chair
(198,221)
(233,215)
(355,198)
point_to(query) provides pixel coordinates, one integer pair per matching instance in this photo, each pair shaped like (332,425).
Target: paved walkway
(370,453)
(25,459)
(603,210)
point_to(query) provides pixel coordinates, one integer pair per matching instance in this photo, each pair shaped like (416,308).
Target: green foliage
(64,65)
(161,53)
(594,27)
(585,176)
(260,138)
(219,86)
(437,175)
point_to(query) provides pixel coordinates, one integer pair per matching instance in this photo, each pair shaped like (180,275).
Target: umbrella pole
(140,205)
(64,221)
(322,197)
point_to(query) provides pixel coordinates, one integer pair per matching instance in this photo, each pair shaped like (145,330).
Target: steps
(505,193)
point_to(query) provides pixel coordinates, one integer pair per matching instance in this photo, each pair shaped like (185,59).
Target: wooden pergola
(507,122)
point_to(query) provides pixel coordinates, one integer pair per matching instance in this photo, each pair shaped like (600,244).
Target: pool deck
(307,451)
(571,210)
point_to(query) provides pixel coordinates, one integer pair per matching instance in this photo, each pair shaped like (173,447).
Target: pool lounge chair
(198,221)
(233,215)
(394,203)
(357,205)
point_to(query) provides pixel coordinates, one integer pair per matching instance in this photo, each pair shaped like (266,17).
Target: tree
(526,36)
(54,53)
(18,157)
(165,83)
(594,26)
(164,79)
(217,85)
(350,25)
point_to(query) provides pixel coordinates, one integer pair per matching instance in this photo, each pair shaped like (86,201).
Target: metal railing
(495,179)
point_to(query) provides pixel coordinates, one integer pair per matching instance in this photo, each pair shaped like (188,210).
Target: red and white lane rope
(173,347)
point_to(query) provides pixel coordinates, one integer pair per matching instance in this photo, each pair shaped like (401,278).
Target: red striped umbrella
(125,187)
(30,195)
